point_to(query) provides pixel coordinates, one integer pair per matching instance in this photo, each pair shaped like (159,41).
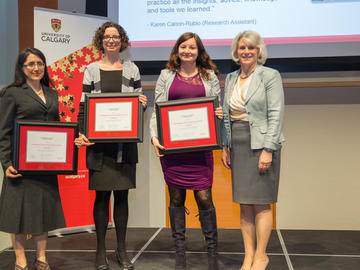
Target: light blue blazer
(264,104)
(212,88)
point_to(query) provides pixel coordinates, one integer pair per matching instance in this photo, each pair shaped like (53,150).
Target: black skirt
(113,175)
(31,205)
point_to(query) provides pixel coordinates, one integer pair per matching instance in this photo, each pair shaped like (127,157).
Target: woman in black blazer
(28,204)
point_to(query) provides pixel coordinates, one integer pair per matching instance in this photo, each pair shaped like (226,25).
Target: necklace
(247,75)
(39,92)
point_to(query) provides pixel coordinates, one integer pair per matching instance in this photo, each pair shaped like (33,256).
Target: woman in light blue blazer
(253,112)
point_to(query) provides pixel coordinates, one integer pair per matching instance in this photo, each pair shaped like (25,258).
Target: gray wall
(77,6)
(113,10)
(9,39)
(8,53)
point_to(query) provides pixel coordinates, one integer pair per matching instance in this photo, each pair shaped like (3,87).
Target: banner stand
(65,39)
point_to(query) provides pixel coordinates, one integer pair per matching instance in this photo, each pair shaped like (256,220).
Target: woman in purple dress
(189,73)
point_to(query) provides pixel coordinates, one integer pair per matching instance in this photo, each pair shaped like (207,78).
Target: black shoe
(125,265)
(213,262)
(102,266)
(180,261)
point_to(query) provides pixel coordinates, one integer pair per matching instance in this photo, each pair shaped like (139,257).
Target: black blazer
(22,103)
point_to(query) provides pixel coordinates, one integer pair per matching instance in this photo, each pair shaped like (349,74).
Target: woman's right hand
(157,146)
(225,157)
(12,173)
(82,141)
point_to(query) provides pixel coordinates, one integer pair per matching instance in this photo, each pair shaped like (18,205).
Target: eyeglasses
(32,65)
(115,38)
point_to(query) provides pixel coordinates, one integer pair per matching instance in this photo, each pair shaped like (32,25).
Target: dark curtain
(97,7)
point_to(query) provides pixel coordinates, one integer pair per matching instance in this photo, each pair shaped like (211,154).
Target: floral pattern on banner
(67,75)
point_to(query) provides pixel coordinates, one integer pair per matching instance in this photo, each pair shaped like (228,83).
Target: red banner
(67,75)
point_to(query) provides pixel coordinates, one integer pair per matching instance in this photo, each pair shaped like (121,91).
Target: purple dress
(192,170)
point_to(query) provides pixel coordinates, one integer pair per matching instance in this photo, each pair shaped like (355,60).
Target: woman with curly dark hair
(29,204)
(112,166)
(189,73)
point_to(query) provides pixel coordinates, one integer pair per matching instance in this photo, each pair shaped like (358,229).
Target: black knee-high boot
(209,229)
(177,221)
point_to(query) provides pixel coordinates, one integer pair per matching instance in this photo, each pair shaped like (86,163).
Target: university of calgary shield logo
(56,24)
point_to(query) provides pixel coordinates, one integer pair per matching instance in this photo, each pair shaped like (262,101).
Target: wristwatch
(268,150)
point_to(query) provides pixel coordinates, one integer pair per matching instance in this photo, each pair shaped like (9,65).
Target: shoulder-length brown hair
(19,75)
(203,60)
(99,35)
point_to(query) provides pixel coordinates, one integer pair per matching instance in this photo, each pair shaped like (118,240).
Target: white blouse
(237,101)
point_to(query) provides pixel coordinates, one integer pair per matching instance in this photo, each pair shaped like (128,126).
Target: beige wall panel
(320,182)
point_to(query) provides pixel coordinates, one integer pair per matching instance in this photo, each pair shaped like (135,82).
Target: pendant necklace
(247,75)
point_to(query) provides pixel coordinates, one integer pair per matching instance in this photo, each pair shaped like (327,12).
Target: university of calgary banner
(64,38)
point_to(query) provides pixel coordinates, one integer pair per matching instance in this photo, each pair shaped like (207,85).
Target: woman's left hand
(10,172)
(225,157)
(265,160)
(219,112)
(143,100)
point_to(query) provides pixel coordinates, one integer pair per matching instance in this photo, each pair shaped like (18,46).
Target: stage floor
(152,248)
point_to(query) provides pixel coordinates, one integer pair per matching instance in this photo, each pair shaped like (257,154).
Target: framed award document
(114,117)
(45,147)
(188,125)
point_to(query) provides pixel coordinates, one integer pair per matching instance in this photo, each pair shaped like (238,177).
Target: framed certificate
(45,147)
(114,117)
(188,125)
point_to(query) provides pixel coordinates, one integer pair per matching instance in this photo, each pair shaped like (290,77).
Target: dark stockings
(121,214)
(203,198)
(101,218)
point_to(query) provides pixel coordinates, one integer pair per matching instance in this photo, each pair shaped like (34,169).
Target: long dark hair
(20,77)
(203,60)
